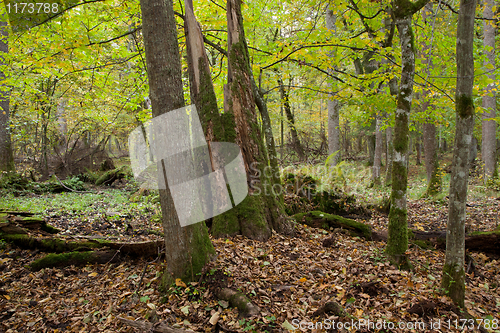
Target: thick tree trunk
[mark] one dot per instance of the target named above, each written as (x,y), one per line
(187,249)
(261,211)
(397,243)
(453,280)
(488,150)
(291,122)
(333,104)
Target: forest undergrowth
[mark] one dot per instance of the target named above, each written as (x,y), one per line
(288,278)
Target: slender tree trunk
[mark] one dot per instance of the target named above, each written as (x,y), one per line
(390,156)
(291,122)
(333,103)
(488,150)
(261,211)
(6,154)
(429,128)
(187,249)
(453,280)
(397,242)
(377,159)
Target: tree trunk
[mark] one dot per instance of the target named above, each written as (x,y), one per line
(390,156)
(397,243)
(291,122)
(488,150)
(377,159)
(187,249)
(261,211)
(6,154)
(333,104)
(453,280)
(429,128)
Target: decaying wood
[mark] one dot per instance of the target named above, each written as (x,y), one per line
(240,301)
(144,326)
(488,243)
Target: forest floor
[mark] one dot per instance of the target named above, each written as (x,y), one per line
(288,278)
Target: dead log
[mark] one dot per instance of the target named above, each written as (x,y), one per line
(485,242)
(75,259)
(317,219)
(144,326)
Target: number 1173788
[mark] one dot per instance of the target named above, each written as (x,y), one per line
(32,8)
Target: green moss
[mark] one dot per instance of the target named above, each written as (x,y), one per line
(59,260)
(465,106)
(48,244)
(453,283)
(318,219)
(202,251)
(397,242)
(479,233)
(422,244)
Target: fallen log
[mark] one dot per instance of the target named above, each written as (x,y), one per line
(317,219)
(75,258)
(485,242)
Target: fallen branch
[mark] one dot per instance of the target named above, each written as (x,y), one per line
(144,326)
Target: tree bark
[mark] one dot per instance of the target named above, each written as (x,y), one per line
(333,103)
(377,158)
(261,211)
(429,128)
(187,249)
(488,150)
(453,280)
(397,243)
(291,122)
(6,154)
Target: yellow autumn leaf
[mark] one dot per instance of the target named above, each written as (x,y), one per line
(303,280)
(359,312)
(180,283)
(93,274)
(7,297)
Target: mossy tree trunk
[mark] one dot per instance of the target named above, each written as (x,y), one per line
(397,242)
(261,211)
(429,128)
(489,143)
(187,249)
(6,155)
(453,280)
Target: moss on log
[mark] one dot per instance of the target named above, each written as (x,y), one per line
(110,176)
(319,219)
(74,258)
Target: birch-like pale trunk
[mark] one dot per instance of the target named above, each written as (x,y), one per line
(377,159)
(397,242)
(453,280)
(489,144)
(333,103)
(187,249)
(6,154)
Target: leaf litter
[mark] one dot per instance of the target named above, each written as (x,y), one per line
(289,279)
